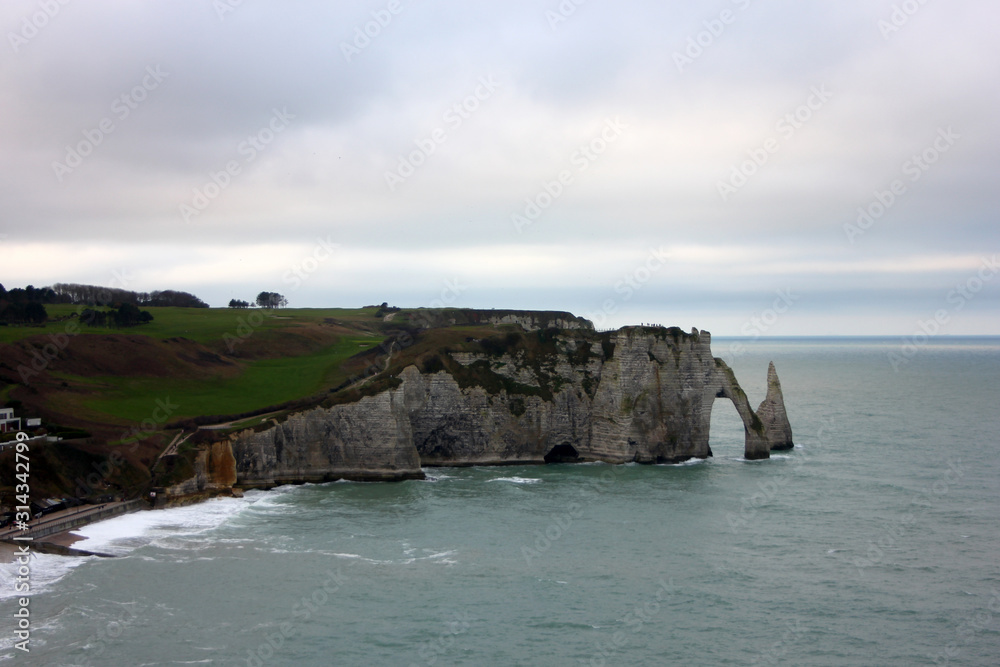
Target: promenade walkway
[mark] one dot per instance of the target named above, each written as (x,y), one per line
(71,518)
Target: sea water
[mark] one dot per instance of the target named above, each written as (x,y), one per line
(876,541)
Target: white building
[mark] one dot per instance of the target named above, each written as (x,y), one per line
(8,422)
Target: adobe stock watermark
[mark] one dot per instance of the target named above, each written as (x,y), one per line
(968,629)
(697,44)
(98,480)
(112,630)
(420,319)
(562,13)
(295,276)
(449,294)
(32,25)
(913,169)
(300,271)
(957,298)
(364,34)
(430,651)
(158,417)
(581,159)
(560,525)
(121,108)
(248,149)
(900,16)
(224,7)
(41,358)
(633,620)
(631,283)
(908,521)
(453,118)
(245,327)
(777,650)
(760,323)
(302,610)
(769,490)
(786,127)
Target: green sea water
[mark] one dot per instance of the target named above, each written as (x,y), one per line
(876,541)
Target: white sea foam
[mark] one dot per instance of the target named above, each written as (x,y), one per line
(689,462)
(41,631)
(443,557)
(435,478)
(46,570)
(516,480)
(121,535)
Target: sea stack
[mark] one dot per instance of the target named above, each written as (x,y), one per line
(772,413)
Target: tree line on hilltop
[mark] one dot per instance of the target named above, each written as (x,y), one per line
(26,305)
(264,300)
(93,295)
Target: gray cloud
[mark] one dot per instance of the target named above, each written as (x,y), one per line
(558,83)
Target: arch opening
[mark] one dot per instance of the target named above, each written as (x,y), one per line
(726,434)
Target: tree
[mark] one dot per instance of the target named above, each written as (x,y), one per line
(127,315)
(174,298)
(238,303)
(93,318)
(35,312)
(92,295)
(271,300)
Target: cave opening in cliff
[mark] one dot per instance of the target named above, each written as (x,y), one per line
(564,453)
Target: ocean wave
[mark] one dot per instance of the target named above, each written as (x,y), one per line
(122,535)
(774,457)
(46,571)
(41,630)
(689,462)
(516,480)
(442,557)
(435,478)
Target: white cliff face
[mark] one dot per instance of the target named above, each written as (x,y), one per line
(643,395)
(367,440)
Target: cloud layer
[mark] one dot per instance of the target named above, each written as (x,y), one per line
(536,154)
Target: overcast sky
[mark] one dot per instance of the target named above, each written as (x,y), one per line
(688,163)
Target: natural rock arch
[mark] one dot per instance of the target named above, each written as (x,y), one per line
(768,427)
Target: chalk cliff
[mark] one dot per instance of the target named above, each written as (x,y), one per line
(640,394)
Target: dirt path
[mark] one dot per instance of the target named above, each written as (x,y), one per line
(172,447)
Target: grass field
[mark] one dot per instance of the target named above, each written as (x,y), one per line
(264,382)
(204,325)
(295,353)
